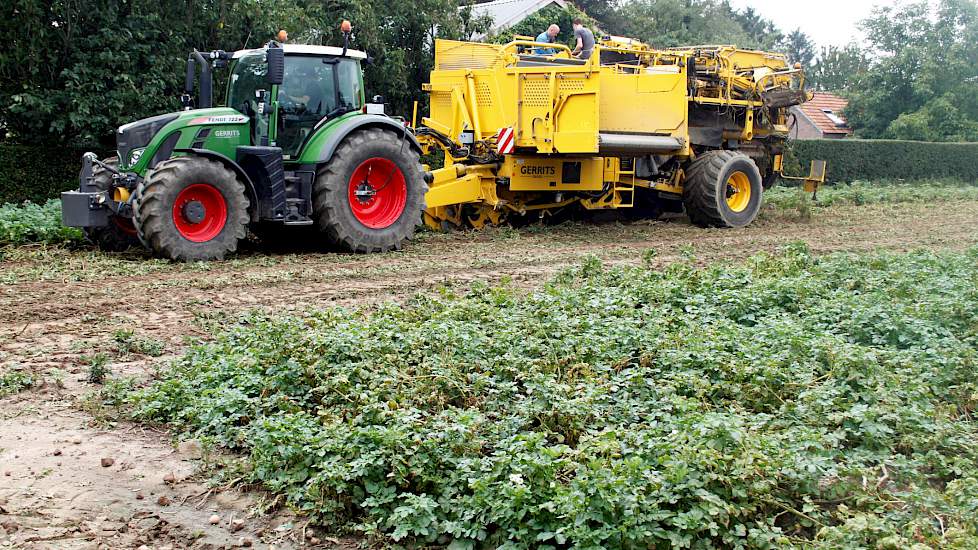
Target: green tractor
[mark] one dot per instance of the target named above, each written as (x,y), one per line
(295,145)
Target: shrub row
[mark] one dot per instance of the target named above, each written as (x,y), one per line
(38,173)
(860,159)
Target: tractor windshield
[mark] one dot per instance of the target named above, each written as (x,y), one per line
(247,77)
(315,88)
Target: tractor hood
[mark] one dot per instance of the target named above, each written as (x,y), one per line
(136,135)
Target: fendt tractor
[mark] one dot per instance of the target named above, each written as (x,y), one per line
(296,144)
(701,129)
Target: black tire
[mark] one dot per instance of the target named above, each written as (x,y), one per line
(708,186)
(178,178)
(120,234)
(332,203)
(771,180)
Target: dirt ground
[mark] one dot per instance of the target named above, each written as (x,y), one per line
(59,309)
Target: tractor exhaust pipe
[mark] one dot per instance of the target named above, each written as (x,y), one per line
(206,82)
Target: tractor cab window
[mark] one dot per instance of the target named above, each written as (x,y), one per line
(247,77)
(315,88)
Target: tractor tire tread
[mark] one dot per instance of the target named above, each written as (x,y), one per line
(702,188)
(331,189)
(153,217)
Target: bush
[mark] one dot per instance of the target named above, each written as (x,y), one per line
(860,193)
(792,401)
(859,159)
(36,174)
(32,223)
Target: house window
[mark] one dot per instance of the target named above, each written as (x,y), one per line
(836,119)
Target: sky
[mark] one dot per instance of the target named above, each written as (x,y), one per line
(827,22)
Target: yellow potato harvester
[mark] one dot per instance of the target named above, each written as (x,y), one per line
(528,132)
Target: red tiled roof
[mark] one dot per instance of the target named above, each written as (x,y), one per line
(815,111)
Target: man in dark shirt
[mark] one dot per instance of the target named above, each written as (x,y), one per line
(585,40)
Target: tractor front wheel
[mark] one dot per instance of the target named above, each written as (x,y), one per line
(370,196)
(191,208)
(120,234)
(722,189)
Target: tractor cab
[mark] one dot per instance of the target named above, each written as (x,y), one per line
(319,84)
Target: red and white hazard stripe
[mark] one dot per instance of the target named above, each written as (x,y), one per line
(505,141)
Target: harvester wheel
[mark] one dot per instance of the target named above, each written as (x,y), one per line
(370,196)
(120,234)
(722,189)
(191,208)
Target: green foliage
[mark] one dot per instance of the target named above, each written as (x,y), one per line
(98,367)
(683,22)
(856,159)
(799,48)
(14,379)
(838,68)
(539,21)
(32,223)
(791,401)
(127,342)
(80,69)
(923,79)
(859,193)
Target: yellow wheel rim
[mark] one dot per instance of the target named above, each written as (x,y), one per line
(738,191)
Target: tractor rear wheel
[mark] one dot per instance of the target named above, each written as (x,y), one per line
(191,208)
(370,196)
(120,234)
(722,189)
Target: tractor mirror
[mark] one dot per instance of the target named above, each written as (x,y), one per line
(275,58)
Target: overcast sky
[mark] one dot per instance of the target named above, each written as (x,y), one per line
(827,22)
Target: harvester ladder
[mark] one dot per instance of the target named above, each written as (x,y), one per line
(625,187)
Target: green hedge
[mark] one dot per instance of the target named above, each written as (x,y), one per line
(35,173)
(861,159)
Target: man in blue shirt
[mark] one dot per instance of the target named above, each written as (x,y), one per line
(548,36)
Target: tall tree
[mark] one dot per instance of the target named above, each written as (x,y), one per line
(799,48)
(838,68)
(923,83)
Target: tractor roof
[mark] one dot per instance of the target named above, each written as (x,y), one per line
(304,49)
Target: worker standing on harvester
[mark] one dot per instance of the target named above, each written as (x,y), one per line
(548,36)
(585,40)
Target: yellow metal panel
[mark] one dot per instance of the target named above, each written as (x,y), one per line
(553,173)
(647,103)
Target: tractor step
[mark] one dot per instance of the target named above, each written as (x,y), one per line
(298,222)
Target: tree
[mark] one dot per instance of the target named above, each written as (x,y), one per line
(799,48)
(763,33)
(79,68)
(836,69)
(923,82)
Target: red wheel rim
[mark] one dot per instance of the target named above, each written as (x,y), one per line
(200,212)
(125,225)
(378,193)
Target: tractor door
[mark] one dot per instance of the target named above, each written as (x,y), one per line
(247,78)
(315,89)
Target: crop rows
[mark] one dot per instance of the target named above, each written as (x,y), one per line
(790,401)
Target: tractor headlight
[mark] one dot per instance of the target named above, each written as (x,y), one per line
(134,156)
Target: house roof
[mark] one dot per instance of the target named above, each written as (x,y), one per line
(824,110)
(506,13)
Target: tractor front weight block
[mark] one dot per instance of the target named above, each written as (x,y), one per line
(84,209)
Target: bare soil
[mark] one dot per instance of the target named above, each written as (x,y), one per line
(59,308)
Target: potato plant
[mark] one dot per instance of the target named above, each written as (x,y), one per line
(789,401)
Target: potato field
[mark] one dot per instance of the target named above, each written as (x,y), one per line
(806,382)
